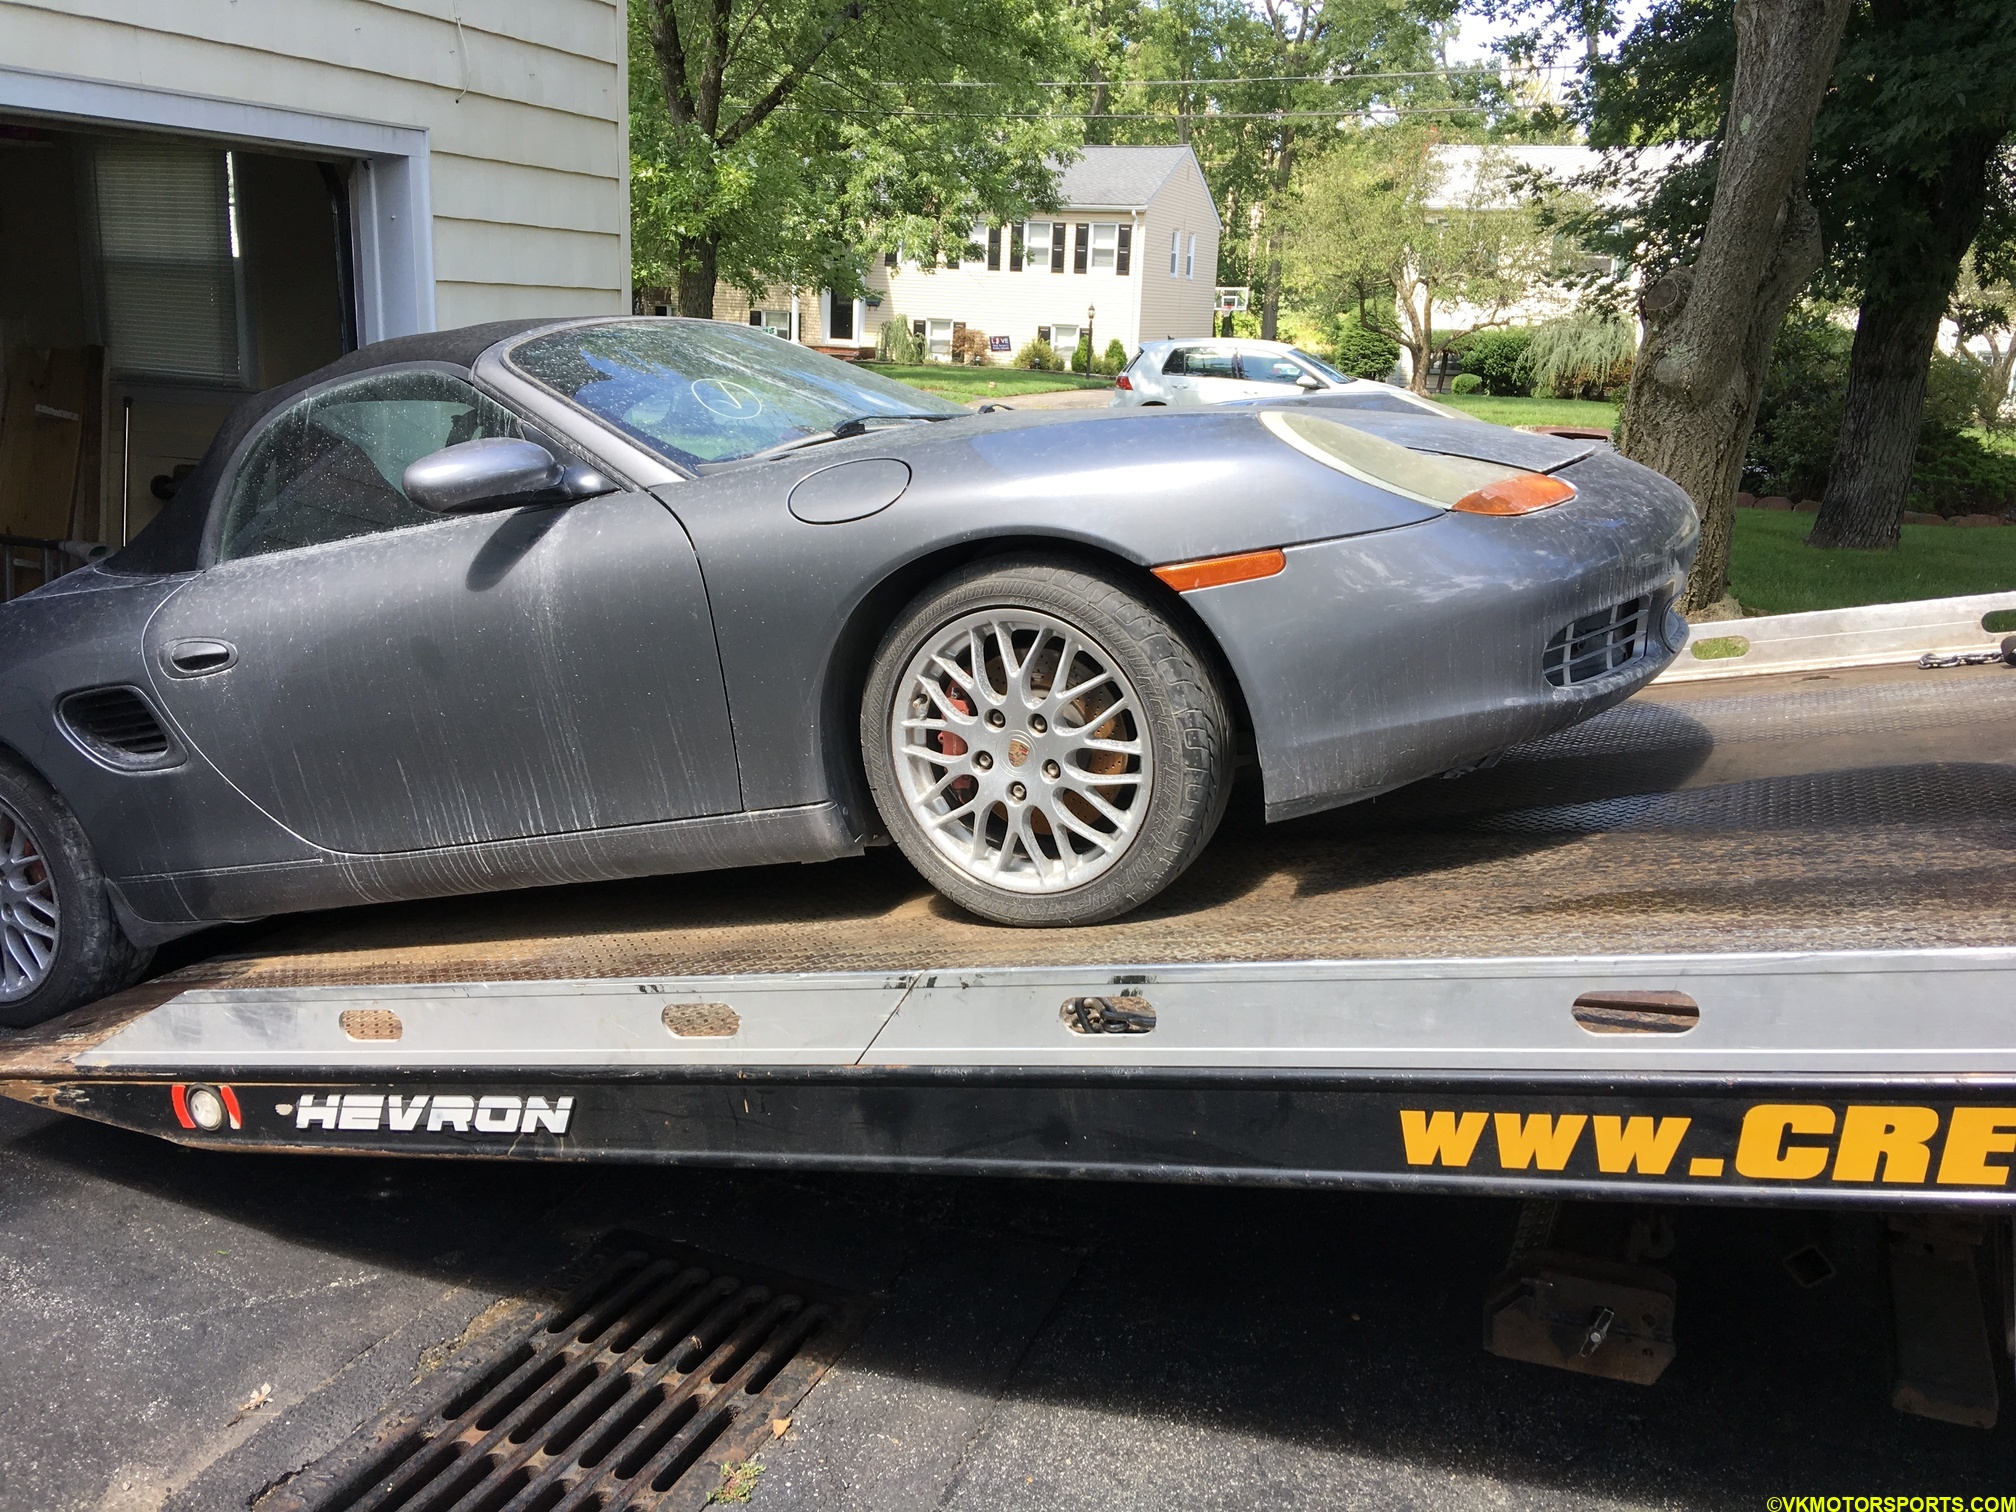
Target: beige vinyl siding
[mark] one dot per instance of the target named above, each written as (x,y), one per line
(523,104)
(1179,306)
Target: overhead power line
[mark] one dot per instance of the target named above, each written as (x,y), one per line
(1145,115)
(1356,78)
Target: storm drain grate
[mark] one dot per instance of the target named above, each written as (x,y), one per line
(629,1396)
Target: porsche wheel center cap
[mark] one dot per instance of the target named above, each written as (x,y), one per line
(1018,750)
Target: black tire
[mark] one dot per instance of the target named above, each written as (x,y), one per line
(92,956)
(1183,726)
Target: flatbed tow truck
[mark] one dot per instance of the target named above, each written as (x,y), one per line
(1750,937)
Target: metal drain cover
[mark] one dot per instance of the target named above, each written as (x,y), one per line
(629,1396)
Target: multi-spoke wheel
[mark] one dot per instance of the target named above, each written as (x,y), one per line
(1043,743)
(60,945)
(28,910)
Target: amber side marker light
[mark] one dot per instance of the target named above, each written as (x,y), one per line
(1215,572)
(1516,495)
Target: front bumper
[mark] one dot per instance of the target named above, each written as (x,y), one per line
(1377,660)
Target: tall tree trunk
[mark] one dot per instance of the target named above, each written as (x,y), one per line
(1871,473)
(1709,327)
(697,259)
(1894,336)
(1270,302)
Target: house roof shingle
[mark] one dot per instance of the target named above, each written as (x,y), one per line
(1117,178)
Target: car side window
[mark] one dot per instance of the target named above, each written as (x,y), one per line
(1173,364)
(1207,364)
(1268,367)
(330,465)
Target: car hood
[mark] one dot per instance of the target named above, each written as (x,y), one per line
(1456,437)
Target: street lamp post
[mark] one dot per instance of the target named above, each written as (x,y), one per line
(1089,348)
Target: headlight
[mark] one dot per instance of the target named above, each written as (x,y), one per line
(1456,483)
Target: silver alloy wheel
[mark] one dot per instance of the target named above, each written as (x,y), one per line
(1020,749)
(27,910)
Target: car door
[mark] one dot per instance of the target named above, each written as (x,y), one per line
(379,679)
(1215,377)
(1178,387)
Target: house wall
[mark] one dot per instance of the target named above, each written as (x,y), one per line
(1179,305)
(523,103)
(1014,305)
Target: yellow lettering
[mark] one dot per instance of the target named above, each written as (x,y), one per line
(1520,1142)
(1761,1150)
(1972,1136)
(1440,1137)
(1899,1137)
(1620,1145)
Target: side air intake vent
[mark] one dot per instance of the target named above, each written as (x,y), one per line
(117,727)
(1596,644)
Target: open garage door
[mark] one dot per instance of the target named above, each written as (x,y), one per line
(146,284)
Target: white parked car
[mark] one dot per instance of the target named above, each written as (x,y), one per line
(1213,370)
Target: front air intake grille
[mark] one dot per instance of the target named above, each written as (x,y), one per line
(118,727)
(1597,643)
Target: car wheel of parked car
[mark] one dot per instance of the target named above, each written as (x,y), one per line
(1044,743)
(60,946)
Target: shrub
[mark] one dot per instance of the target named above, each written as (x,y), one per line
(897,343)
(1581,356)
(1799,423)
(1359,352)
(1466,383)
(970,347)
(1499,359)
(1039,356)
(1081,356)
(1114,358)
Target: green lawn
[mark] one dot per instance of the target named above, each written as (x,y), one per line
(969,385)
(1773,571)
(1511,411)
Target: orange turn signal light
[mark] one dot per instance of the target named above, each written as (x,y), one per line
(1216,572)
(1521,494)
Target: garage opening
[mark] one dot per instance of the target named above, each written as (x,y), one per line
(147,283)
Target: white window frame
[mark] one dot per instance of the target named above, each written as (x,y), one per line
(1175,252)
(1068,350)
(1190,258)
(932,326)
(1106,243)
(1034,259)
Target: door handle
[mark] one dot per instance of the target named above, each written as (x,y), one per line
(199,658)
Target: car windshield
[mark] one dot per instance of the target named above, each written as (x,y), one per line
(704,391)
(1320,366)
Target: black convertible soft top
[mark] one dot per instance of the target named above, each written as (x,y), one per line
(172,539)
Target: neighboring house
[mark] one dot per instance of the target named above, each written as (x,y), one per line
(200,200)
(1133,250)
(1488,178)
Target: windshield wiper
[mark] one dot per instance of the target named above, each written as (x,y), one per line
(855,426)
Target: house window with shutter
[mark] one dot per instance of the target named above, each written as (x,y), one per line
(1081,250)
(1015,248)
(1175,253)
(1123,257)
(1105,244)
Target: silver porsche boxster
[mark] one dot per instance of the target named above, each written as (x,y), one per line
(544,602)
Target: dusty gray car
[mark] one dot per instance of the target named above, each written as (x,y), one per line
(548,602)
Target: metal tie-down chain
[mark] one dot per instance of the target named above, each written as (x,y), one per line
(2005,653)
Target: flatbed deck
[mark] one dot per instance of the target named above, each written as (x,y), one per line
(1817,864)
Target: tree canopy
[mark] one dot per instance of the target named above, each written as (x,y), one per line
(778,141)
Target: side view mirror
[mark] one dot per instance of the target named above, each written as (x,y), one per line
(1308,382)
(498,472)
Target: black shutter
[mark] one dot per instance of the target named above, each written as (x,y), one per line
(917,329)
(1043,334)
(1081,250)
(993,249)
(1015,248)
(756,317)
(889,258)
(1058,231)
(1121,258)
